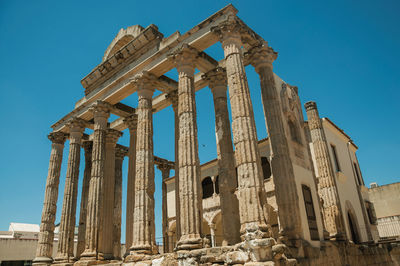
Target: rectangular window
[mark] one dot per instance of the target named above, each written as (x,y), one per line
(312,220)
(357,174)
(335,158)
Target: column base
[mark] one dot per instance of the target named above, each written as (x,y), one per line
(189,244)
(64,260)
(254,230)
(88,255)
(105,256)
(42,261)
(135,257)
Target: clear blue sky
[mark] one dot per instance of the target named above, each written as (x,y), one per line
(342,54)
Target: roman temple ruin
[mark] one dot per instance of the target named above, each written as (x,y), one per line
(278,200)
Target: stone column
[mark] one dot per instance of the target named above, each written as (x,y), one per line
(327,188)
(120,153)
(131,122)
(170,241)
(173,96)
(106,228)
(65,252)
(87,146)
(189,165)
(226,158)
(44,248)
(101,112)
(282,168)
(248,162)
(164,168)
(143,240)
(212,233)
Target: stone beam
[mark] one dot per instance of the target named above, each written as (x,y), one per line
(155,61)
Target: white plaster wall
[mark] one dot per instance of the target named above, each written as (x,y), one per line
(171,200)
(345,179)
(21,249)
(386,200)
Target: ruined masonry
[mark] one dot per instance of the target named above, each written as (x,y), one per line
(260,226)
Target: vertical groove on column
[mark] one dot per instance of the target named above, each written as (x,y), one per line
(143,240)
(65,251)
(95,190)
(44,248)
(94,211)
(190,207)
(165,169)
(84,198)
(281,164)
(116,236)
(174,101)
(131,122)
(226,158)
(327,188)
(250,190)
(106,232)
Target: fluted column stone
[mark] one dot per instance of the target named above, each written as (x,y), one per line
(88,147)
(281,165)
(106,249)
(165,169)
(101,112)
(44,248)
(190,204)
(143,240)
(250,186)
(226,158)
(65,252)
(327,188)
(120,153)
(131,122)
(173,97)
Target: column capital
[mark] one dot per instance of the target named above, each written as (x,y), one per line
(229,31)
(57,137)
(262,55)
(121,152)
(112,136)
(217,81)
(165,166)
(100,109)
(76,125)
(310,106)
(185,58)
(145,84)
(131,121)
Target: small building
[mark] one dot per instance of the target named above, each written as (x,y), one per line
(18,244)
(386,201)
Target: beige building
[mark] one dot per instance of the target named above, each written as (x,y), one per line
(386,200)
(18,244)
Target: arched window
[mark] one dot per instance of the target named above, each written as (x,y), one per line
(207,186)
(312,219)
(217,184)
(294,132)
(265,167)
(353,228)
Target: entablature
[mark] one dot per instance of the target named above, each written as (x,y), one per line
(111,80)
